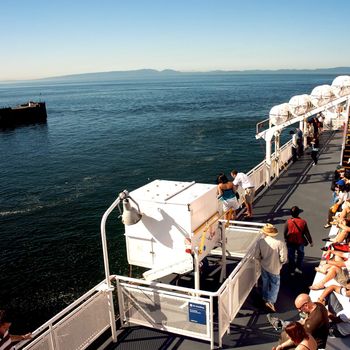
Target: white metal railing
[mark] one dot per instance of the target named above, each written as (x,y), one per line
(168,307)
(75,327)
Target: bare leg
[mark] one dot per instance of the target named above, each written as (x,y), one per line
(331,273)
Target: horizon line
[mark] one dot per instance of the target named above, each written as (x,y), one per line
(170,70)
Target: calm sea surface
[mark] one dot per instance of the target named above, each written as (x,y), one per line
(57,179)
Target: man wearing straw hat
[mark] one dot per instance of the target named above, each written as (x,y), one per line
(272,254)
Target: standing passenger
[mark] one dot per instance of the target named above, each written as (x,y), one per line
(300,142)
(272,254)
(314,150)
(226,194)
(294,145)
(295,230)
(241,179)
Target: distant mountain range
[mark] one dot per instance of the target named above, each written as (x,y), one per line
(152,73)
(145,73)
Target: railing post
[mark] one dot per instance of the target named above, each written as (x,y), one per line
(52,339)
(212,346)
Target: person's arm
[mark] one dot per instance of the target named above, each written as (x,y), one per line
(314,322)
(343,226)
(308,235)
(219,191)
(15,338)
(288,343)
(327,291)
(285,233)
(283,252)
(337,253)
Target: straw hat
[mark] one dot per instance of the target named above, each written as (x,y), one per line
(269,230)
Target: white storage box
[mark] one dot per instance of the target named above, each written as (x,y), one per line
(171,213)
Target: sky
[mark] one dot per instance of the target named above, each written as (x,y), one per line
(47,38)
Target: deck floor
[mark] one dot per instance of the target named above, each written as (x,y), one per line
(301,184)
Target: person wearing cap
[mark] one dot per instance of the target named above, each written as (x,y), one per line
(272,254)
(296,236)
(342,196)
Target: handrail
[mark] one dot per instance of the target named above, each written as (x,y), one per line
(63,313)
(154,284)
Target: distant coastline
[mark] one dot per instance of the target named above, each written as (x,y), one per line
(151,73)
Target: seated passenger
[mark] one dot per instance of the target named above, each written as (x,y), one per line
(338,269)
(303,340)
(338,315)
(315,323)
(342,221)
(341,197)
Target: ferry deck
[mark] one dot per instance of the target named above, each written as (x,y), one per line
(301,184)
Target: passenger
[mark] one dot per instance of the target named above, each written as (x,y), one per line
(315,322)
(296,235)
(227,194)
(314,122)
(337,268)
(320,122)
(300,142)
(338,315)
(338,175)
(297,334)
(294,146)
(6,339)
(272,254)
(341,196)
(241,179)
(309,132)
(314,150)
(342,222)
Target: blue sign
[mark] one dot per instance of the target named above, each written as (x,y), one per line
(197,313)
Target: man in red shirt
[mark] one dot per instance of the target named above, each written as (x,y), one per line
(296,235)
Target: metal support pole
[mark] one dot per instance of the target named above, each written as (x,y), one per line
(277,153)
(268,162)
(212,346)
(196,271)
(223,252)
(106,267)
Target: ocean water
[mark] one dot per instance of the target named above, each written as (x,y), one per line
(102,137)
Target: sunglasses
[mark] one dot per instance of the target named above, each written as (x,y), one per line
(302,306)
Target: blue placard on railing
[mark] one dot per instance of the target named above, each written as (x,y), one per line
(197,313)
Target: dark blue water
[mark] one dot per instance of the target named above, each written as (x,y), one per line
(57,179)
